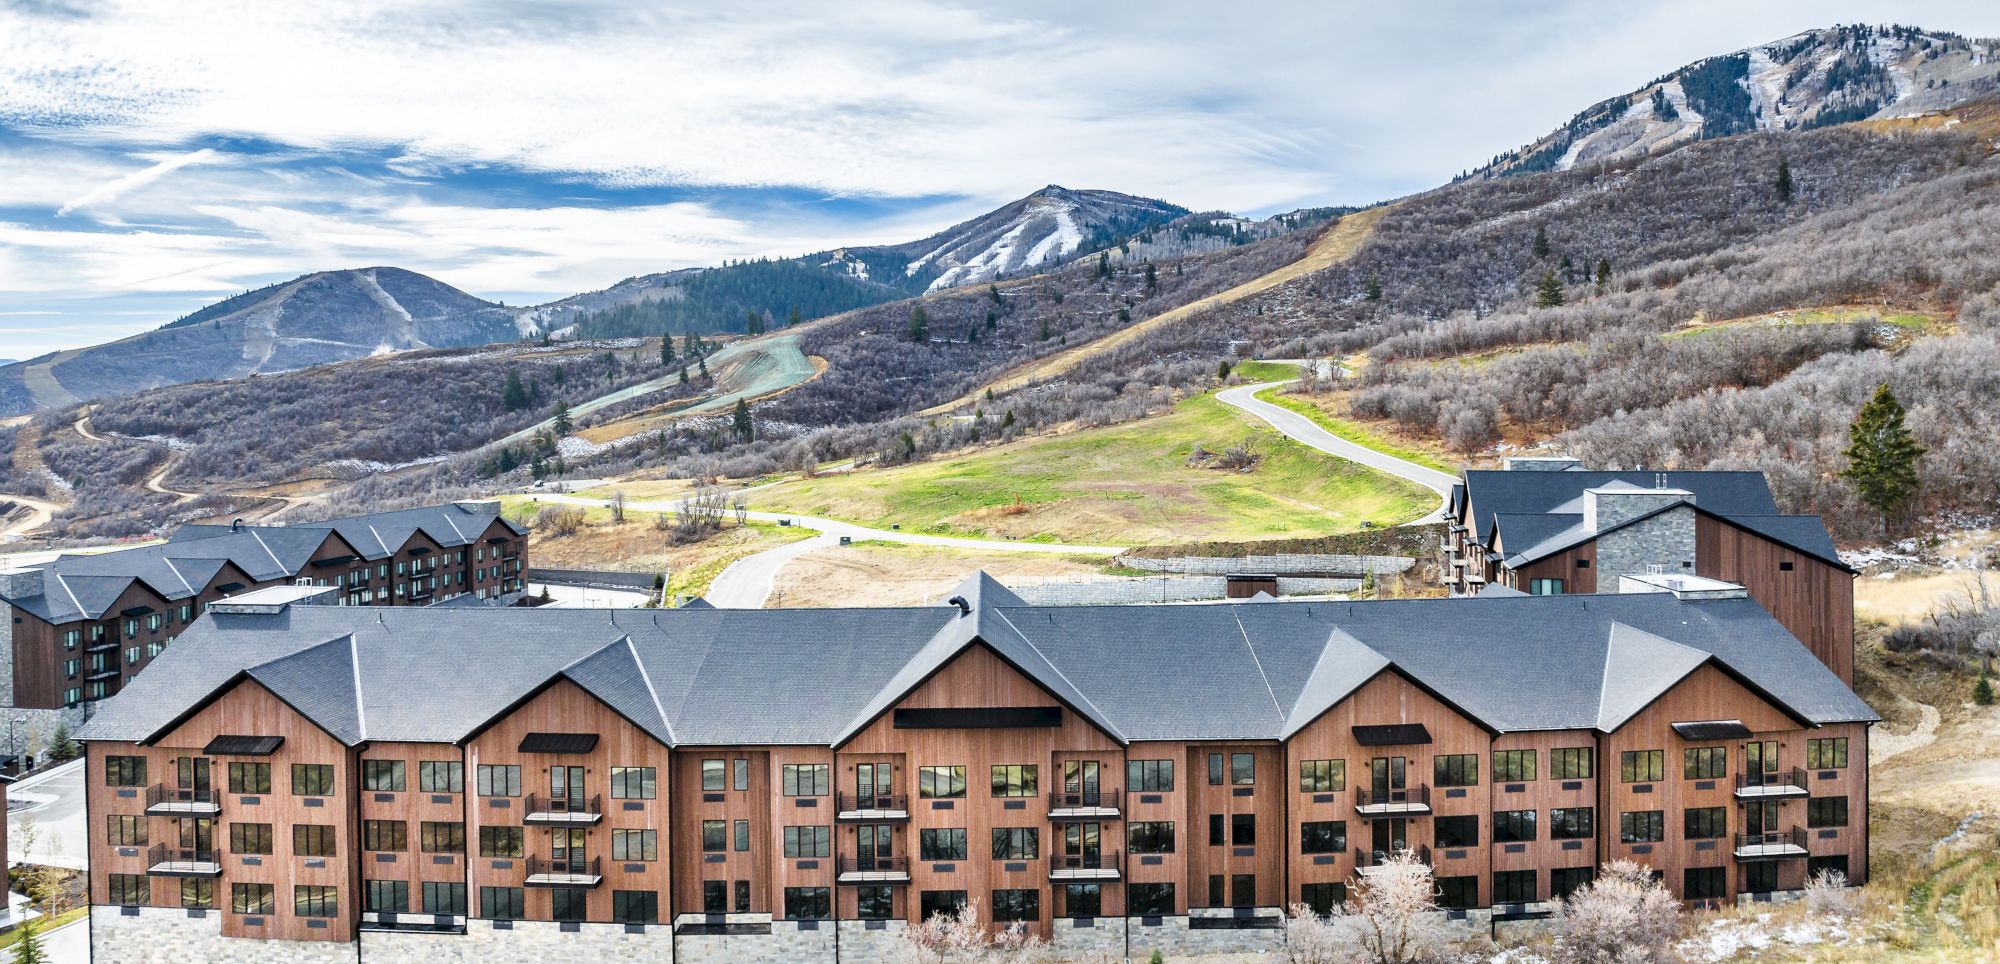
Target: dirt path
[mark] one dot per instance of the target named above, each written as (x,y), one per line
(1338,244)
(38,515)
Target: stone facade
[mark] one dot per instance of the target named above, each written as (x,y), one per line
(1665,540)
(521,942)
(1081,937)
(1174,936)
(170,935)
(872,942)
(787,941)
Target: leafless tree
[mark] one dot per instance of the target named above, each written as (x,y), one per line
(1622,917)
(558,521)
(617,505)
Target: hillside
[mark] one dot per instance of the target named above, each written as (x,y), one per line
(1814,79)
(324,317)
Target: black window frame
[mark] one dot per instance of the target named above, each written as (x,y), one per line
(1515,826)
(1323,837)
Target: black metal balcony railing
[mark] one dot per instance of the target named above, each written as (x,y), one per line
(1777,843)
(1415,798)
(1760,779)
(590,806)
(855,802)
(874,865)
(1102,860)
(1103,798)
(160,854)
(544,867)
(1365,857)
(159,794)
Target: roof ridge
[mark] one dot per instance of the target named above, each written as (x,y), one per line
(1258,661)
(646,677)
(1085,697)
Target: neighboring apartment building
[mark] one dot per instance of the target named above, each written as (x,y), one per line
(1545,526)
(79,628)
(800,785)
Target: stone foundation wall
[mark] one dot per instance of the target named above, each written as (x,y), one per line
(788,941)
(1078,937)
(1173,936)
(863,944)
(168,935)
(521,942)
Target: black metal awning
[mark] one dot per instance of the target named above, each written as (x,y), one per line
(242,745)
(1712,730)
(333,561)
(229,587)
(558,743)
(1393,734)
(419,551)
(135,611)
(496,540)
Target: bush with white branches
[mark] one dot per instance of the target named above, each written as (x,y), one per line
(1622,917)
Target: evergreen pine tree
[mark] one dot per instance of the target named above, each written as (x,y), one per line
(1603,272)
(793,318)
(1882,455)
(666,350)
(1152,277)
(513,394)
(563,423)
(1043,333)
(1222,370)
(1104,264)
(993,292)
(690,346)
(920,324)
(28,949)
(739,421)
(1374,288)
(1548,291)
(1008,422)
(684,374)
(704,368)
(992,319)
(1982,691)
(1541,241)
(1784,182)
(753,323)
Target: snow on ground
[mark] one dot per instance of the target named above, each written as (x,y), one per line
(371,466)
(1063,240)
(987,263)
(1725,939)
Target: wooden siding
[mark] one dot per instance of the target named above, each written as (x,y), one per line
(1814,600)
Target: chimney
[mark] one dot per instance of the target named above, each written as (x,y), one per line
(1609,505)
(20,584)
(1540,463)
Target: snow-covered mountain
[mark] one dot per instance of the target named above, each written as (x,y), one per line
(1036,231)
(1814,79)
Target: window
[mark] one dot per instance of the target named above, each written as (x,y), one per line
(1642,826)
(441,837)
(1826,812)
(947,843)
(1215,769)
(250,838)
(1572,823)
(197,894)
(1017,905)
(635,907)
(1514,887)
(1018,843)
(1242,890)
(714,774)
(132,654)
(383,775)
(503,903)
(801,842)
(1827,754)
(940,783)
(739,774)
(1322,776)
(1242,829)
(1458,893)
(441,776)
(1456,770)
(1218,891)
(71,667)
(1572,763)
(1704,883)
(808,903)
(385,896)
(645,844)
(391,835)
(1707,762)
(1215,835)
(505,841)
(1083,900)
(634,783)
(131,628)
(498,781)
(1323,837)
(931,903)
(714,836)
(312,779)
(715,897)
(72,696)
(742,835)
(249,778)
(1242,769)
(441,897)
(804,780)
(1513,826)
(125,831)
(742,889)
(1014,780)
(1705,823)
(874,902)
(1760,877)
(131,890)
(1149,900)
(1150,837)
(1545,587)
(1456,831)
(1513,766)
(1323,898)
(315,901)
(312,840)
(1816,866)
(252,899)
(71,638)
(1149,776)
(1564,881)
(124,771)
(1642,766)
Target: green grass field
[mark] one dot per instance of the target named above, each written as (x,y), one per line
(1914,323)
(1352,432)
(1122,485)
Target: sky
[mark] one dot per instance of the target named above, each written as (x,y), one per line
(156,157)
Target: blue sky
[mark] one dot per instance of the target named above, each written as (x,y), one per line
(156,157)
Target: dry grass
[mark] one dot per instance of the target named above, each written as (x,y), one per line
(894,574)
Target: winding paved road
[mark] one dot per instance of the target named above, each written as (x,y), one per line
(1302,429)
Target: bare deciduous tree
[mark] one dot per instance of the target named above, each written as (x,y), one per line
(1622,917)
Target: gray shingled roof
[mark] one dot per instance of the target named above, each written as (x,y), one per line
(814,677)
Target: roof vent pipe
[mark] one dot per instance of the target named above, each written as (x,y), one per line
(964,608)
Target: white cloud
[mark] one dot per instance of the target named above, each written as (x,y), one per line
(117,188)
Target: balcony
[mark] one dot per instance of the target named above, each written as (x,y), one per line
(165,861)
(547,811)
(1782,845)
(1765,786)
(874,870)
(1394,802)
(1370,861)
(565,873)
(874,808)
(165,801)
(1086,805)
(1083,868)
